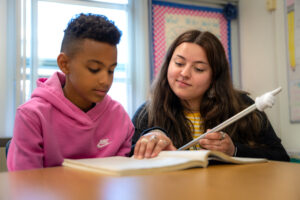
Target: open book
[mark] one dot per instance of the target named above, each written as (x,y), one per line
(165,161)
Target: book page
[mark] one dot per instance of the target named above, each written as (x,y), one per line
(125,165)
(210,155)
(165,161)
(194,155)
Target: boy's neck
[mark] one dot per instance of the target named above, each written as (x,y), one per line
(68,94)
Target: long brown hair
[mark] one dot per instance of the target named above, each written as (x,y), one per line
(165,109)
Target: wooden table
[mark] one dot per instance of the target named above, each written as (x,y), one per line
(272,180)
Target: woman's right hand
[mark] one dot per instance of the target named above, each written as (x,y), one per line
(150,144)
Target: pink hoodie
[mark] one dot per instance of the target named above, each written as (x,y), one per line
(49,128)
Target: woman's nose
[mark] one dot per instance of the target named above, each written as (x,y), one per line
(186,71)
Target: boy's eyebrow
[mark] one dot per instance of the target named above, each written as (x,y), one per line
(101,63)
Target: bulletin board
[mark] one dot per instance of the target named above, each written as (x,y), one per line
(293,25)
(171,19)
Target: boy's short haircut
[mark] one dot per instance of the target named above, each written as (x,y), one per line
(89,26)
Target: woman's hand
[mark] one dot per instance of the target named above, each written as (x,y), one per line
(150,144)
(219,141)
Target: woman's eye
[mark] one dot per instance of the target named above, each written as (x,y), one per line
(179,64)
(94,70)
(199,69)
(110,71)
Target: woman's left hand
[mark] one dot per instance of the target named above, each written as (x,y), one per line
(219,141)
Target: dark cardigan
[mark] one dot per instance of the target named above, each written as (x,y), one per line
(272,148)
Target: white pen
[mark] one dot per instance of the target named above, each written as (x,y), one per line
(261,103)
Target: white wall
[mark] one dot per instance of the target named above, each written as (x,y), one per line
(3,87)
(264,62)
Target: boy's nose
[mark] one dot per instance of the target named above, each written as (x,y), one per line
(105,79)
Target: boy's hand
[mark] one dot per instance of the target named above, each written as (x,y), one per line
(150,144)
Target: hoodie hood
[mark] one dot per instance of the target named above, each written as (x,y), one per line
(50,89)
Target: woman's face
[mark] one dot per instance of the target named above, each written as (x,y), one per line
(189,74)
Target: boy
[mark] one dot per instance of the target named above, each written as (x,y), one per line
(70,114)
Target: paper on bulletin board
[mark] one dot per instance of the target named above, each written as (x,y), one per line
(291,32)
(293,18)
(176,24)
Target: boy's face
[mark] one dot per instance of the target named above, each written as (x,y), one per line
(89,73)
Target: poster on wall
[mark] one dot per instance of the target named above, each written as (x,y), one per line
(171,19)
(293,24)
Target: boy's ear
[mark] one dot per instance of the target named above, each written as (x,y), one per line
(62,61)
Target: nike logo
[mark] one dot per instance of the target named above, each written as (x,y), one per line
(102,143)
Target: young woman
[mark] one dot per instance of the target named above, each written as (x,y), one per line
(194,92)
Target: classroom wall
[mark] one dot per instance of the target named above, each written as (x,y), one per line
(264,62)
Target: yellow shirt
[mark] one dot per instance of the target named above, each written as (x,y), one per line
(198,125)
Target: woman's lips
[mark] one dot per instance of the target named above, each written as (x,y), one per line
(182,83)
